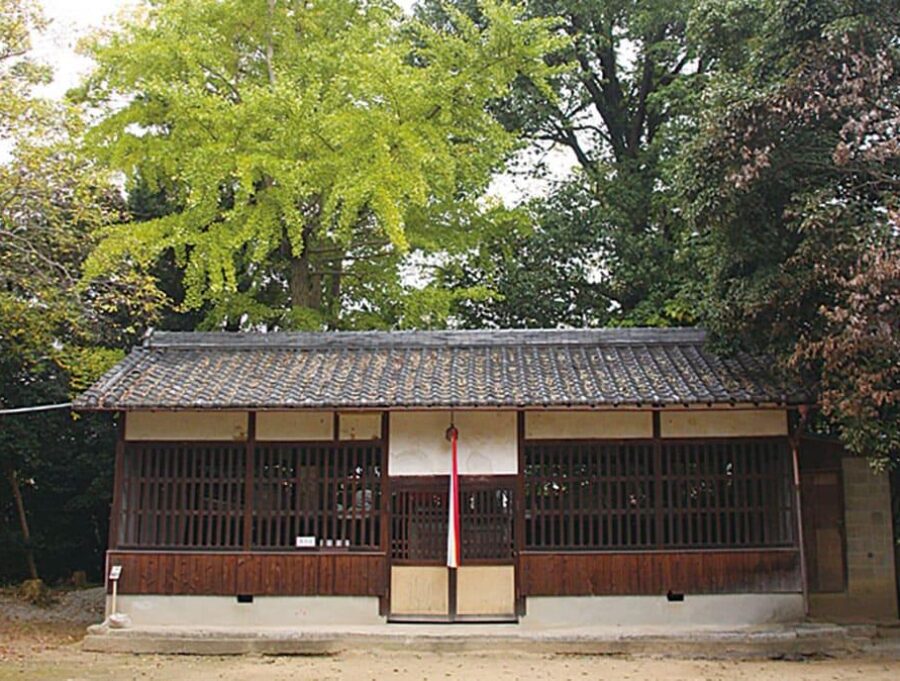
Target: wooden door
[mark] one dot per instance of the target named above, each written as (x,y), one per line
(822,499)
(482,588)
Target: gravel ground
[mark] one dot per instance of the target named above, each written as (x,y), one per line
(77,608)
(27,630)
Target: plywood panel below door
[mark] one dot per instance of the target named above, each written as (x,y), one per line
(420,590)
(486,590)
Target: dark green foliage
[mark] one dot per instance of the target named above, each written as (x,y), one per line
(65,474)
(793,186)
(622,110)
(541,279)
(559,273)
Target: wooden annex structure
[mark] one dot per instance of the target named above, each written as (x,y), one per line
(296,478)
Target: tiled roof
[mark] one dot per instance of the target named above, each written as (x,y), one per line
(598,367)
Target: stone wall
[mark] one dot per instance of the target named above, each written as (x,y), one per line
(871,579)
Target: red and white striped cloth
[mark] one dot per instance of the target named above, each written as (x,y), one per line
(453,520)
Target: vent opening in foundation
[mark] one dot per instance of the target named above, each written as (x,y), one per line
(674,597)
(245,598)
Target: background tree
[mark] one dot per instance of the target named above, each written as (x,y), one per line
(792,186)
(622,112)
(53,338)
(308,149)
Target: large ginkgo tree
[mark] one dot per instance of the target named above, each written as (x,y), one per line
(308,148)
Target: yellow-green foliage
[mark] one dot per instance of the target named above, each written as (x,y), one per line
(53,337)
(271,117)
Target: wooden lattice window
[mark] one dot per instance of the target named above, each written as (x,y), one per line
(192,495)
(419,517)
(182,496)
(486,518)
(589,495)
(727,493)
(326,492)
(419,520)
(605,495)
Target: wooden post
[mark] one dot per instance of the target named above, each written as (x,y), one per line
(452,590)
(115,516)
(519,508)
(657,479)
(385,602)
(248,480)
(798,508)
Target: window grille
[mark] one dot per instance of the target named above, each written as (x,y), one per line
(640,495)
(182,495)
(330,493)
(419,517)
(192,495)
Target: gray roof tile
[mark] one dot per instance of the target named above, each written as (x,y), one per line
(597,367)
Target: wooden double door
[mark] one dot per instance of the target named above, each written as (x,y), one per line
(483,587)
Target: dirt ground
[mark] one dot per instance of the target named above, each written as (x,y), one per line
(68,663)
(42,644)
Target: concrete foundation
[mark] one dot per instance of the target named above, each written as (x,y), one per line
(543,613)
(774,641)
(264,611)
(714,611)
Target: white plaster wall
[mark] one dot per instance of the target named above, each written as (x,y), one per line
(362,425)
(547,612)
(487,443)
(552,425)
(186,425)
(293,426)
(738,423)
(265,611)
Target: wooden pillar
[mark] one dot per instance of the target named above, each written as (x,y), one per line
(794,440)
(519,519)
(115,515)
(248,480)
(384,602)
(658,517)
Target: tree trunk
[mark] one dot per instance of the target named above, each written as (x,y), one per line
(305,286)
(23,519)
(335,292)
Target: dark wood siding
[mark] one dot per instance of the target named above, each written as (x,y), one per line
(260,574)
(649,573)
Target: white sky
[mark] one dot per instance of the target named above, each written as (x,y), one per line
(73,19)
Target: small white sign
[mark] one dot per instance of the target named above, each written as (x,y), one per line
(115,572)
(305,542)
